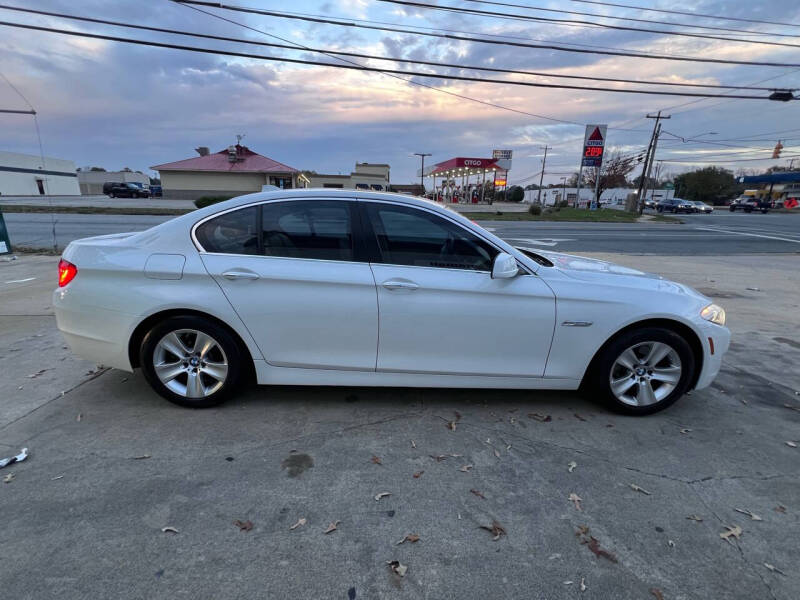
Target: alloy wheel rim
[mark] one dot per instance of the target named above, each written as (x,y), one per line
(645,374)
(190,363)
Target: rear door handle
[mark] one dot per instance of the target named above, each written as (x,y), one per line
(239,275)
(394,284)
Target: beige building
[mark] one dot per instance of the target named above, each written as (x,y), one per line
(91,182)
(28,175)
(366,176)
(234,171)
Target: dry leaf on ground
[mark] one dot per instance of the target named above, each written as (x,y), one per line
(540,418)
(478,494)
(636,488)
(781,509)
(495,529)
(9,478)
(457,415)
(382,495)
(438,458)
(697,518)
(169,530)
(243,525)
(79,417)
(35,375)
(670,543)
(397,568)
(572,466)
(496,453)
(752,516)
(657,593)
(142,457)
(411,537)
(332,527)
(734,531)
(583,584)
(465,468)
(580,418)
(593,545)
(377,460)
(791,444)
(774,569)
(576,500)
(413,444)
(300,523)
(418,474)
(451,425)
(685,430)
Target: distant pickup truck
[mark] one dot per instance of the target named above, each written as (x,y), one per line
(748,204)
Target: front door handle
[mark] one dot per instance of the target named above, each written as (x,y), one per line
(395,284)
(232,275)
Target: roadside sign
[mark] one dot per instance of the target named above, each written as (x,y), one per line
(594,143)
(502,154)
(5,243)
(669,186)
(499,179)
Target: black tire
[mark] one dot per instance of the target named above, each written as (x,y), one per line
(732,208)
(112,195)
(598,379)
(231,353)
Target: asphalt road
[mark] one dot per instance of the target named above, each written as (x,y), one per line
(721,233)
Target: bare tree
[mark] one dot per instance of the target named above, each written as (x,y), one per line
(615,172)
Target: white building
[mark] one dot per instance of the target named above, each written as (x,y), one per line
(366,176)
(26,175)
(611,198)
(91,182)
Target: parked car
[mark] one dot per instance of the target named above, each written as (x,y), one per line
(339,287)
(748,204)
(128,190)
(650,203)
(156,190)
(702,207)
(108,185)
(675,205)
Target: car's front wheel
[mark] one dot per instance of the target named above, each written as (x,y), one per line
(644,370)
(191,361)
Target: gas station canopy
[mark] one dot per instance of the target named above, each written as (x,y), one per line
(463,164)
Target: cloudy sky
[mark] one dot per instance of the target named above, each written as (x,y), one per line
(117,105)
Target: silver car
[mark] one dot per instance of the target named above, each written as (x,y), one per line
(702,207)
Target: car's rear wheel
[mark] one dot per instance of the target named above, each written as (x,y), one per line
(191,361)
(644,370)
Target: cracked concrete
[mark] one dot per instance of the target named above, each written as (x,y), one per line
(83,516)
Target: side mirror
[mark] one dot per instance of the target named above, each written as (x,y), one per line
(504,266)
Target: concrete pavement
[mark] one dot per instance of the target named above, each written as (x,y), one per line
(83,516)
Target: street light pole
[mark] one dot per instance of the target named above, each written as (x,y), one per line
(422,155)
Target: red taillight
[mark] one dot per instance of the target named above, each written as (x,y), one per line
(66,272)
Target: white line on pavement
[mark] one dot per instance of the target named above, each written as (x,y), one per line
(758,235)
(20,280)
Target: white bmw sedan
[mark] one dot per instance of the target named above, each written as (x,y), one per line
(342,287)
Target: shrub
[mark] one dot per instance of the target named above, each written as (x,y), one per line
(204,201)
(535,209)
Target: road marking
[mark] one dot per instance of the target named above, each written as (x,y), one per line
(20,280)
(543,241)
(758,235)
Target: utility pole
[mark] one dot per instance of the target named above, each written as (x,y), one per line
(422,155)
(650,167)
(648,158)
(541,178)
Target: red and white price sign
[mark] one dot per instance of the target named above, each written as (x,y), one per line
(594,144)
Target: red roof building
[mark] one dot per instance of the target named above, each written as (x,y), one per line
(234,171)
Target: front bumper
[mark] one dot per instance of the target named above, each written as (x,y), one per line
(720,338)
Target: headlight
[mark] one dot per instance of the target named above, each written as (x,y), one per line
(714,313)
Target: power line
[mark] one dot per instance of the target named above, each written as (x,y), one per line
(334,53)
(673,23)
(556,47)
(358,67)
(580,23)
(735,160)
(687,13)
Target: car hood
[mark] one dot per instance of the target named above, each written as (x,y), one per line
(608,273)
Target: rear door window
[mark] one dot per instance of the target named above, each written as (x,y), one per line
(314,229)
